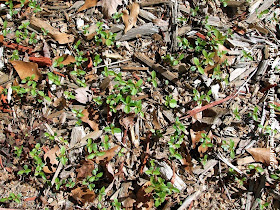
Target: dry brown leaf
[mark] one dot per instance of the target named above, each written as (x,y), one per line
(51,161)
(61,38)
(144,200)
(88,4)
(90,117)
(262,155)
(86,169)
(109,154)
(155,121)
(67,59)
(130,20)
(83,195)
(186,161)
(109,7)
(59,103)
(195,137)
(26,69)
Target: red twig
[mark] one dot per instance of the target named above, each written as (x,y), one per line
(42,61)
(197,110)
(124,136)
(137,77)
(18,47)
(268,87)
(55,72)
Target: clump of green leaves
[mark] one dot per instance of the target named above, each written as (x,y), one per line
(78,114)
(158,187)
(117,205)
(236,113)
(89,181)
(224,2)
(35,154)
(101,194)
(69,95)
(92,149)
(153,79)
(109,37)
(170,102)
(15,55)
(112,129)
(183,42)
(176,139)
(204,159)
(34,5)
(173,60)
(229,147)
(198,66)
(255,168)
(246,56)
(12,197)
(62,156)
(206,141)
(32,88)
(54,78)
(25,170)
(18,151)
(58,62)
(200,98)
(97,60)
(117,16)
(123,92)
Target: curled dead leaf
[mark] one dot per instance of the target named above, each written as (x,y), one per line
(90,117)
(263,155)
(26,69)
(83,95)
(86,169)
(109,7)
(128,121)
(144,200)
(51,161)
(109,154)
(88,4)
(83,195)
(130,20)
(63,38)
(67,59)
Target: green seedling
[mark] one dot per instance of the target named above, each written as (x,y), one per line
(5,31)
(200,98)
(240,181)
(263,205)
(264,12)
(62,157)
(94,178)
(255,113)
(177,139)
(51,137)
(117,205)
(194,11)
(97,60)
(35,154)
(183,42)
(18,151)
(224,2)
(197,66)
(25,170)
(58,62)
(112,129)
(122,152)
(173,60)
(106,143)
(69,95)
(34,5)
(170,102)
(85,29)
(158,188)
(208,58)
(45,32)
(206,141)
(117,16)
(11,8)
(257,168)
(200,44)
(15,55)
(54,78)
(70,183)
(12,197)
(236,113)
(204,160)
(109,37)
(79,115)
(267,130)
(229,147)
(153,79)
(101,194)
(246,56)
(58,183)
(92,149)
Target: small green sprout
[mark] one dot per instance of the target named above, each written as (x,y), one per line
(236,113)
(93,150)
(12,197)
(25,170)
(79,115)
(229,147)
(206,141)
(94,178)
(170,102)
(18,151)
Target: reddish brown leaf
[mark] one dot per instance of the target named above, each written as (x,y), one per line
(90,117)
(130,20)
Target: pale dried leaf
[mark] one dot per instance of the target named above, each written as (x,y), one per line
(130,20)
(83,95)
(263,155)
(83,195)
(109,7)
(51,161)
